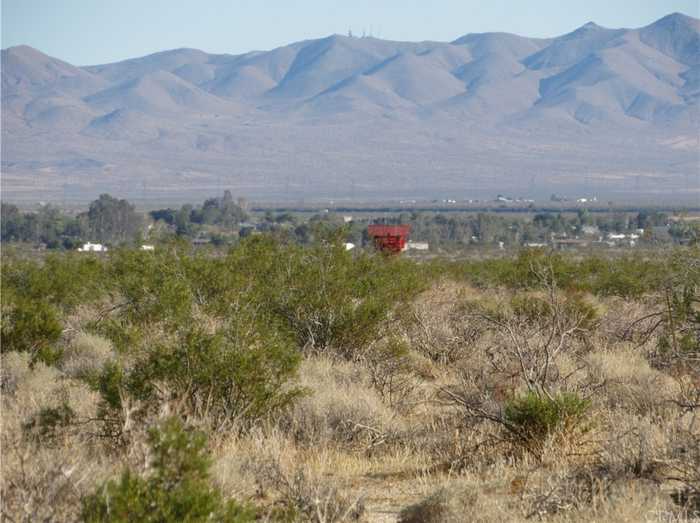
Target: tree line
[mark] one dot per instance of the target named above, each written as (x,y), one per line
(224,220)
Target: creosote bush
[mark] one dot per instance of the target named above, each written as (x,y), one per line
(177,488)
(33,327)
(325,296)
(218,377)
(534,417)
(626,276)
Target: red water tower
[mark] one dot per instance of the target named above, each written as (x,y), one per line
(389,238)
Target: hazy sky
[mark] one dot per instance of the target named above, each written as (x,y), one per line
(98,31)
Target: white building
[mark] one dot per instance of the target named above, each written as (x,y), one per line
(148,248)
(349,246)
(92,247)
(418,246)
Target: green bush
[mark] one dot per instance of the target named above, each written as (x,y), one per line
(225,376)
(35,295)
(325,296)
(628,277)
(218,353)
(532,418)
(179,487)
(31,326)
(152,287)
(680,306)
(574,308)
(63,280)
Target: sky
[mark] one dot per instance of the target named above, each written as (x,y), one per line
(87,32)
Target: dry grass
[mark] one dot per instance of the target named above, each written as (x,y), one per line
(85,353)
(349,450)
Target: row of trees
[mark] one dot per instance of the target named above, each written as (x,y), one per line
(112,220)
(108,220)
(223,212)
(223,220)
(454,230)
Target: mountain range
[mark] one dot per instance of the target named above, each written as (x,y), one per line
(607,112)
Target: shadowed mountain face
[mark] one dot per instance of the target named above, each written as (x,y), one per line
(598,111)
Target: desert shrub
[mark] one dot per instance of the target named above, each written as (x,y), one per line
(341,408)
(178,487)
(41,483)
(85,355)
(391,371)
(152,287)
(14,369)
(34,296)
(221,377)
(634,447)
(433,509)
(31,326)
(304,496)
(683,469)
(574,307)
(526,336)
(456,502)
(306,499)
(191,333)
(439,323)
(30,384)
(46,425)
(532,418)
(529,269)
(326,296)
(627,378)
(63,280)
(681,307)
(626,276)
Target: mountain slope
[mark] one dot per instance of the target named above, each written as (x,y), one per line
(470,115)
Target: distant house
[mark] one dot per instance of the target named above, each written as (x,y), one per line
(349,246)
(615,236)
(148,248)
(418,246)
(590,230)
(92,247)
(347,219)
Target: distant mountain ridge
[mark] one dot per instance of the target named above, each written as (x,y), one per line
(613,111)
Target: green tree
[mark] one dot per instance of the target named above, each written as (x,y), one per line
(11,222)
(113,220)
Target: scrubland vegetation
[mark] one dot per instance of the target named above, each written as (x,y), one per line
(280,382)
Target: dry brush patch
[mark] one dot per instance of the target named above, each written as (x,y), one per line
(492,404)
